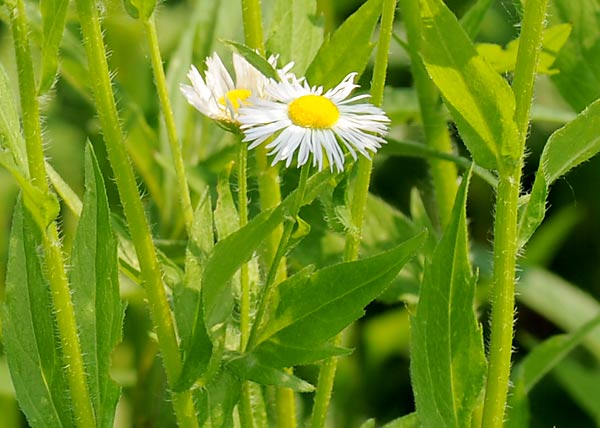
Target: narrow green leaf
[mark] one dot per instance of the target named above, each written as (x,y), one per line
(313,307)
(471,21)
(10,127)
(195,340)
(560,302)
(275,353)
(348,50)
(248,367)
(28,327)
(95,282)
(296,32)
(582,383)
(569,146)
(536,365)
(480,101)
(254,58)
(447,356)
(66,193)
(54,14)
(579,61)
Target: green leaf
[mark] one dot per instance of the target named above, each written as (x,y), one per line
(569,146)
(409,421)
(582,383)
(54,14)
(139,8)
(537,364)
(348,50)
(28,326)
(195,341)
(248,367)
(95,285)
(10,134)
(480,101)
(313,307)
(504,60)
(579,61)
(296,33)
(560,302)
(447,357)
(471,21)
(260,63)
(216,401)
(229,254)
(226,217)
(276,353)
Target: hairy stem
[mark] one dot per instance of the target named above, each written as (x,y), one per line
(134,210)
(505,229)
(357,208)
(165,103)
(57,277)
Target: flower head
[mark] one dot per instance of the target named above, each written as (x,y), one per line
(303,119)
(217,95)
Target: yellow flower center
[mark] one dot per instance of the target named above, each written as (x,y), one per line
(313,111)
(236,97)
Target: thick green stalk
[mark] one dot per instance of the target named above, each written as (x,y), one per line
(357,207)
(163,95)
(270,196)
(505,229)
(133,207)
(437,137)
(57,277)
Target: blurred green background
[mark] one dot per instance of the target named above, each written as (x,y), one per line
(374,381)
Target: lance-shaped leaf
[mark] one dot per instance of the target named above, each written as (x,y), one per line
(248,367)
(28,327)
(348,50)
(447,357)
(569,146)
(479,100)
(314,307)
(215,402)
(95,282)
(54,14)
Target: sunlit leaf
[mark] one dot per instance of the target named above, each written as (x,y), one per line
(349,48)
(95,283)
(479,100)
(447,357)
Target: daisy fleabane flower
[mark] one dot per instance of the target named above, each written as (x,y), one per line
(305,120)
(217,96)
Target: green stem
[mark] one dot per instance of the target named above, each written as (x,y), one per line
(443,173)
(243,213)
(59,284)
(357,207)
(133,208)
(505,229)
(246,418)
(253,30)
(270,196)
(163,95)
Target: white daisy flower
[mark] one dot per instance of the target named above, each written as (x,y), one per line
(217,96)
(308,121)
